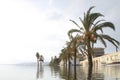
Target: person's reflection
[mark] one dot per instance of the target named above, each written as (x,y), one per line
(40,71)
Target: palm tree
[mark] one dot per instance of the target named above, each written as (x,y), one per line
(41,59)
(63,56)
(70,54)
(37,56)
(90,33)
(66,55)
(73,46)
(75,51)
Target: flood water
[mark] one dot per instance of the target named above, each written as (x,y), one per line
(15,72)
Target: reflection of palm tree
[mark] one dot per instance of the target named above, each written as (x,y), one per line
(39,73)
(90,34)
(63,72)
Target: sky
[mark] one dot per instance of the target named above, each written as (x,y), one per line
(30,26)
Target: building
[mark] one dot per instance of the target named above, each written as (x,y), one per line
(98,52)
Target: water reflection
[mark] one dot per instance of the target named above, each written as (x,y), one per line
(55,70)
(110,72)
(63,72)
(40,71)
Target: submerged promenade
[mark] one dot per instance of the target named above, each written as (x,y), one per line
(111,58)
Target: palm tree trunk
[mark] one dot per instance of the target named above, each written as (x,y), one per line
(68,66)
(90,63)
(75,64)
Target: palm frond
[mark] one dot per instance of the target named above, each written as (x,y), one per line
(93,17)
(106,25)
(98,22)
(102,40)
(95,27)
(86,19)
(111,40)
(81,20)
(88,12)
(75,23)
(72,31)
(83,52)
(83,23)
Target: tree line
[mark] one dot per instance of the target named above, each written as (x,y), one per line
(83,37)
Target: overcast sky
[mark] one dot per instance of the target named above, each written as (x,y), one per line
(30,26)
